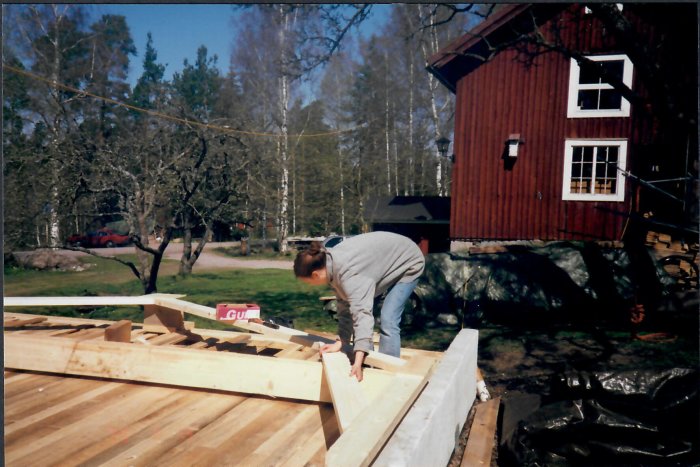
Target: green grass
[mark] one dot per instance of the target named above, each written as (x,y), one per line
(277,292)
(256,253)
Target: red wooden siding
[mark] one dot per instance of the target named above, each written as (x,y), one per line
(502,97)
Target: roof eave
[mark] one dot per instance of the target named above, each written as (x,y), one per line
(455,49)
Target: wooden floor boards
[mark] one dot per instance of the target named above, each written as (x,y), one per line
(73,420)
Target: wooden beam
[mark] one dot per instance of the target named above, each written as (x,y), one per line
(86,301)
(168,339)
(173,302)
(119,331)
(482,435)
(361,442)
(76,301)
(375,359)
(250,374)
(348,398)
(17,323)
(62,320)
(158,315)
(188,325)
(430,431)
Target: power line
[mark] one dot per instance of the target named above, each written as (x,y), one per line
(154,113)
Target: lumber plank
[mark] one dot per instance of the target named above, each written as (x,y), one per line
(289,352)
(77,301)
(361,442)
(187,325)
(63,332)
(119,331)
(348,398)
(56,408)
(260,429)
(429,432)
(16,323)
(175,303)
(238,339)
(89,428)
(322,437)
(482,435)
(62,320)
(296,379)
(45,391)
(163,436)
(158,315)
(374,359)
(168,339)
(224,432)
(273,449)
(201,344)
(83,334)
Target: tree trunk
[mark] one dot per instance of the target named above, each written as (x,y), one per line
(342,190)
(432,87)
(283,225)
(55,79)
(410,185)
(185,265)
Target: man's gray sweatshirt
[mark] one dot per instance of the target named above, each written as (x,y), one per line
(362,268)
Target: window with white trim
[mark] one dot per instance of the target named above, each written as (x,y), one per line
(593,170)
(590,96)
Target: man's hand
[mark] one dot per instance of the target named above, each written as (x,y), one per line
(356,369)
(334,347)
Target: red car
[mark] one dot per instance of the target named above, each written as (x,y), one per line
(102,238)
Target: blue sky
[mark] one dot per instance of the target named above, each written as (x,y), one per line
(179,29)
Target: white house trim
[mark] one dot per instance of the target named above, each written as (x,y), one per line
(573,110)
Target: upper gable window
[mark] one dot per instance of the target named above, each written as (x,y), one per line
(591,97)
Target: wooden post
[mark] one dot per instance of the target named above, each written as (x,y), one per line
(119,331)
(482,435)
(159,315)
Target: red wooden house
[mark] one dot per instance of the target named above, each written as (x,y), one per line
(545,146)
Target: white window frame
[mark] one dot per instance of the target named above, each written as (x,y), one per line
(619,195)
(573,111)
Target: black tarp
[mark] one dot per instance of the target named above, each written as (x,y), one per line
(645,417)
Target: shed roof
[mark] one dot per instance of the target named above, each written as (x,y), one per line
(408,210)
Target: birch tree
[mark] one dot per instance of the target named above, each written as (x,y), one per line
(335,89)
(52,40)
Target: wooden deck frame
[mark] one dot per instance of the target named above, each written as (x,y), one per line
(366,421)
(164,309)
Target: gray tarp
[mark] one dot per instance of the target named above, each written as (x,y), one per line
(561,277)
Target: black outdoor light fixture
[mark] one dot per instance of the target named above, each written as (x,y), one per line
(443,144)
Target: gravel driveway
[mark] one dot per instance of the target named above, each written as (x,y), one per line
(209,259)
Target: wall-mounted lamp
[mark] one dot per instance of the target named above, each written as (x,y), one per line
(513,142)
(443,145)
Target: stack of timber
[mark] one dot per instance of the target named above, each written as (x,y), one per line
(665,244)
(162,392)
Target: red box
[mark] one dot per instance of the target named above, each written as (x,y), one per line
(236,311)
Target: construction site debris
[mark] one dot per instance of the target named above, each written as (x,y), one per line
(605,418)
